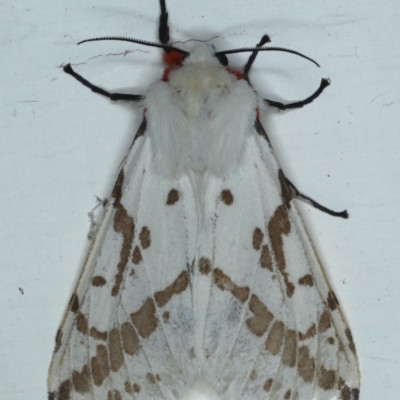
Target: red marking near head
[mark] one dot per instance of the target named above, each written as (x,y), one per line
(165,76)
(238,74)
(257,114)
(172,58)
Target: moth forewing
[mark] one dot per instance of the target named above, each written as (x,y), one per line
(201,269)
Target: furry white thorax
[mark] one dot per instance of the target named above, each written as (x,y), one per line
(199,120)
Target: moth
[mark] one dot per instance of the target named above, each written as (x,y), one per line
(201,269)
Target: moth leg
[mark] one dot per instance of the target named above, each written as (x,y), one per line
(299,104)
(265,39)
(163,28)
(297,193)
(112,96)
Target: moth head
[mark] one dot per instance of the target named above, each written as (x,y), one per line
(201,53)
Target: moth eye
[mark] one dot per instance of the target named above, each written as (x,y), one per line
(184,56)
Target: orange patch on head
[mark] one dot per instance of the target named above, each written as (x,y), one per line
(172,58)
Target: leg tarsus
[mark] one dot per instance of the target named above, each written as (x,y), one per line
(112,96)
(341,214)
(298,104)
(163,28)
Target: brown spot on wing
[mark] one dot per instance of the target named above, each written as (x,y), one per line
(227,197)
(253,375)
(351,341)
(223,282)
(204,265)
(117,191)
(260,130)
(114,395)
(287,395)
(287,192)
(136,388)
(178,286)
(311,332)
(306,280)
(123,223)
(265,258)
(64,390)
(151,378)
(332,301)
(137,255)
(290,348)
(166,316)
(58,340)
(98,281)
(144,237)
(305,364)
(130,340)
(100,366)
(74,303)
(278,226)
(258,237)
(145,319)
(142,130)
(268,385)
(326,378)
(346,393)
(324,321)
(258,324)
(81,323)
(331,340)
(81,380)
(356,393)
(173,197)
(115,350)
(275,338)
(128,387)
(96,334)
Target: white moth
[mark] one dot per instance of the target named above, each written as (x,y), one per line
(201,268)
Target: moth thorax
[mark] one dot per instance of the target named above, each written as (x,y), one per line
(201,71)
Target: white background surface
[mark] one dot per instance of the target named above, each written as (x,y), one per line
(61,145)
